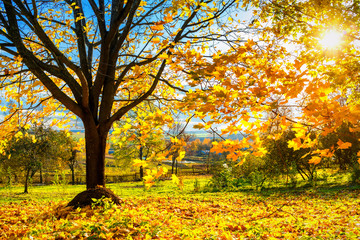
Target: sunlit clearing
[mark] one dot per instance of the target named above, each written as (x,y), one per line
(331,39)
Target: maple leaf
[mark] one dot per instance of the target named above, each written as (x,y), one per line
(343,145)
(181,155)
(156,40)
(149,181)
(157,27)
(315,160)
(138,163)
(175,179)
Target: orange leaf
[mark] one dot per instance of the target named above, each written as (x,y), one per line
(157,27)
(343,145)
(156,40)
(315,160)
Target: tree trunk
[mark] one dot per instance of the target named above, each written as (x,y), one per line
(72,168)
(141,158)
(27,180)
(41,175)
(95,141)
(71,164)
(172,164)
(176,167)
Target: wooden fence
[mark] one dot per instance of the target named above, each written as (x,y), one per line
(51,178)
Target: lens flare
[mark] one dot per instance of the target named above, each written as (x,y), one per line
(331,39)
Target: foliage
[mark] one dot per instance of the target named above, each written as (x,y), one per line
(189,56)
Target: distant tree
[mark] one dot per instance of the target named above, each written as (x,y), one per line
(31,150)
(284,160)
(135,141)
(72,162)
(177,144)
(345,143)
(194,146)
(27,150)
(67,151)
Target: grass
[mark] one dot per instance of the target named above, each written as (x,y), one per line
(125,190)
(326,182)
(192,185)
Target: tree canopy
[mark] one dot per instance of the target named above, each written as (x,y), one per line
(98,60)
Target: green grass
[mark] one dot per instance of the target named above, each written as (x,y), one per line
(333,183)
(125,190)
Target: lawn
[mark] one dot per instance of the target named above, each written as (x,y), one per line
(167,212)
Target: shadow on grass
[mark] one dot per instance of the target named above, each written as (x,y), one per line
(308,189)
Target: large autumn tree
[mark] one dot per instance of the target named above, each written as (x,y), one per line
(307,60)
(322,40)
(99,59)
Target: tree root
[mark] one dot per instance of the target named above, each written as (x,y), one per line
(84,198)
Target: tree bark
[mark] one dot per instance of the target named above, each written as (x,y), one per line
(27,180)
(41,175)
(95,141)
(176,167)
(72,175)
(141,158)
(172,164)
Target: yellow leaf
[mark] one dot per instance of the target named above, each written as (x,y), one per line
(295,144)
(127,126)
(181,155)
(162,170)
(199,126)
(149,181)
(19,134)
(175,179)
(163,56)
(156,40)
(139,162)
(168,18)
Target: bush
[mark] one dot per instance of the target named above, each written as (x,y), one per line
(344,159)
(224,177)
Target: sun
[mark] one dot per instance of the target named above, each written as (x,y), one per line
(331,39)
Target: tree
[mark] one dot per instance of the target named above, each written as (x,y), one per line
(135,141)
(345,155)
(282,159)
(323,37)
(176,146)
(30,149)
(291,66)
(67,150)
(99,60)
